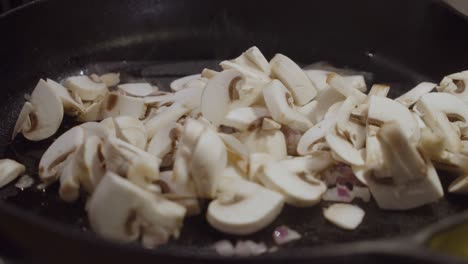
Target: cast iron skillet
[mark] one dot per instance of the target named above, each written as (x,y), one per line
(400,42)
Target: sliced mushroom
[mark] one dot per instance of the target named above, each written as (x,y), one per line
(238,154)
(412,96)
(184,195)
(325,100)
(401,158)
(91,111)
(408,196)
(209,159)
(270,124)
(250,63)
(379,90)
(359,114)
(455,84)
(249,209)
(110,79)
(346,216)
(85,88)
(131,162)
(382,110)
(296,190)
(257,163)
(187,81)
(121,211)
(319,78)
(339,84)
(9,171)
(244,118)
(208,74)
(132,129)
(311,164)
(308,110)
(272,142)
(69,179)
(115,105)
(24,120)
(56,154)
(136,89)
(314,135)
(46,115)
(294,78)
(437,109)
(343,149)
(353,132)
(164,141)
(70,105)
(279,102)
(169,115)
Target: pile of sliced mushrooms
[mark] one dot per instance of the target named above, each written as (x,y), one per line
(250,138)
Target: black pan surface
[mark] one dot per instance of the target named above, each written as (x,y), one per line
(400,43)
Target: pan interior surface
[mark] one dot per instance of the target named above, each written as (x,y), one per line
(159,41)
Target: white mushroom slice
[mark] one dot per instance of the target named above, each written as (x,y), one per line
(129,161)
(248,65)
(251,208)
(361,171)
(325,100)
(184,82)
(359,114)
(408,196)
(311,164)
(344,150)
(382,110)
(238,153)
(85,88)
(374,156)
(451,161)
(169,115)
(339,84)
(70,105)
(257,163)
(234,172)
(256,56)
(220,91)
(314,135)
(455,84)
(24,121)
(436,109)
(164,140)
(279,102)
(136,89)
(459,185)
(270,124)
(209,159)
(308,109)
(184,195)
(244,118)
(187,142)
(294,78)
(319,78)
(121,211)
(110,79)
(353,132)
(345,216)
(208,74)
(9,171)
(47,113)
(133,130)
(430,143)
(159,100)
(91,111)
(115,105)
(69,190)
(379,90)
(56,154)
(297,191)
(412,96)
(356,82)
(272,142)
(401,157)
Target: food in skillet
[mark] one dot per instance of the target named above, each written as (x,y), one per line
(249,139)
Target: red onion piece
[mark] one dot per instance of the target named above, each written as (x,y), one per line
(284,234)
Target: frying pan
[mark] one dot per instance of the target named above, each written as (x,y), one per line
(399,42)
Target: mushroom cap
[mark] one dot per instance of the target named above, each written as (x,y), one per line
(57,153)
(252,209)
(294,78)
(47,114)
